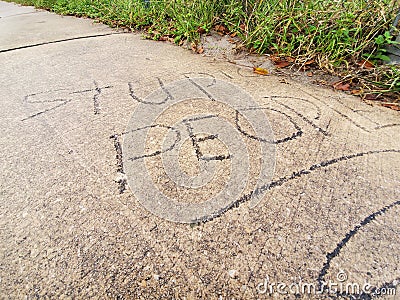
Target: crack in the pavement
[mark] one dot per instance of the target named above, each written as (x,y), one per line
(286,179)
(96,103)
(21,14)
(122,181)
(213,82)
(226,74)
(386,126)
(330,256)
(60,41)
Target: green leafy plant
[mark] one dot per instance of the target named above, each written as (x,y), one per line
(381,42)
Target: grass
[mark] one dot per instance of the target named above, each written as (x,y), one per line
(337,36)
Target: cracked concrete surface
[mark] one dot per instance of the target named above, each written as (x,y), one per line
(72,228)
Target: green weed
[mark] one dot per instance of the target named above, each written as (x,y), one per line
(336,35)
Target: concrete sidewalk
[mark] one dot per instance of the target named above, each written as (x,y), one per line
(74,217)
